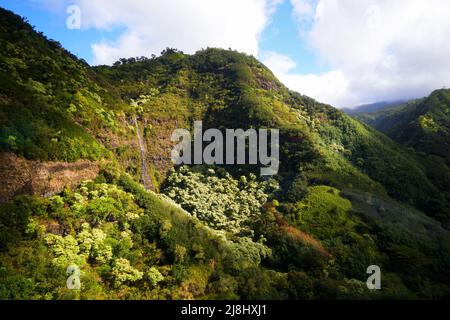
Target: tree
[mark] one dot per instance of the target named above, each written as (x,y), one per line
(154,276)
(123,272)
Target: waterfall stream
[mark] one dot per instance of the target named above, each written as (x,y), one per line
(144,170)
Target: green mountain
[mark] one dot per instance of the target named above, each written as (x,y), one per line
(421,124)
(88,181)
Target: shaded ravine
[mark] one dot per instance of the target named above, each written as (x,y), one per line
(144,170)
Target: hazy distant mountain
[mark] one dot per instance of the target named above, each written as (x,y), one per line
(373,107)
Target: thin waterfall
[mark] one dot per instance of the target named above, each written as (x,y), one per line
(144,170)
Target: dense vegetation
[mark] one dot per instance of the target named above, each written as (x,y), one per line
(346,196)
(423,126)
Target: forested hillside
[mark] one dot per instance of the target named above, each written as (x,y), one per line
(346,196)
(423,126)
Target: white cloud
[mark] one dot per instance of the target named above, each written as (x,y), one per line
(278,63)
(303,8)
(327,87)
(378,50)
(152,25)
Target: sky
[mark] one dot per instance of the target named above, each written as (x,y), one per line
(342,52)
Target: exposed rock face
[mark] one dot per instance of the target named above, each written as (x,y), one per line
(21,176)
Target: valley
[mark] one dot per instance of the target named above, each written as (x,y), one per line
(94,144)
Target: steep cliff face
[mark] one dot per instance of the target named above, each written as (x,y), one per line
(28,177)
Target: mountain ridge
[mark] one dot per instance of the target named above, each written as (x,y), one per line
(373,107)
(416,120)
